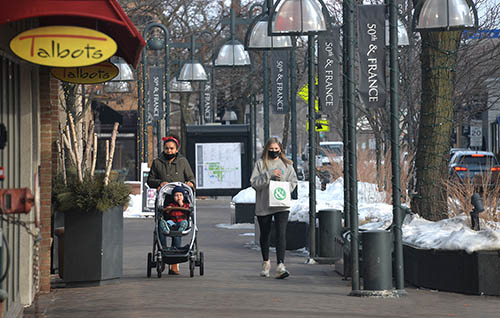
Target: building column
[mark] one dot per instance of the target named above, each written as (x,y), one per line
(49,120)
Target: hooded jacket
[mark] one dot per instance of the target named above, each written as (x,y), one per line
(162,170)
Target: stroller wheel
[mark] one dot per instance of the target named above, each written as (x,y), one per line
(191,267)
(159,267)
(150,264)
(202,267)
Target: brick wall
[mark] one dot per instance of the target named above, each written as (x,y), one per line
(48,164)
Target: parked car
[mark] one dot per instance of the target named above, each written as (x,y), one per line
(330,152)
(477,166)
(454,150)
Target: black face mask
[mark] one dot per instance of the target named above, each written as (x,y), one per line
(273,154)
(170,156)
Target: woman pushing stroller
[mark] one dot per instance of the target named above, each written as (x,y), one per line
(171,166)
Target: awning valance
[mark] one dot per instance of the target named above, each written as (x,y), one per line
(102,15)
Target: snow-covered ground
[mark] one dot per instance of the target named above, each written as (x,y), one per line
(450,234)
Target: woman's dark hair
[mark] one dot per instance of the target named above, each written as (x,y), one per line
(171,138)
(265,155)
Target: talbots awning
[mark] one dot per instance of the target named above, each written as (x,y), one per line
(102,15)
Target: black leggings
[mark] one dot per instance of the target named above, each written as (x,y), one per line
(280,222)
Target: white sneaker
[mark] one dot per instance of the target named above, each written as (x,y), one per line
(281,271)
(266,267)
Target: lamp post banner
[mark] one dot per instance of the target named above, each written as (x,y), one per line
(207,101)
(155,94)
(372,55)
(328,69)
(279,83)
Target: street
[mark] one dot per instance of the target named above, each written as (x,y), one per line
(231,286)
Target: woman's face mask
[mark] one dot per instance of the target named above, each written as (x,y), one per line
(170,150)
(274,151)
(273,154)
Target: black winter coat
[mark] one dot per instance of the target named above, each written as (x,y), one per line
(162,170)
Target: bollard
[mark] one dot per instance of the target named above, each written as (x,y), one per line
(377,260)
(330,231)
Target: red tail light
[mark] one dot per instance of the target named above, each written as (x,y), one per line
(476,155)
(460,169)
(495,169)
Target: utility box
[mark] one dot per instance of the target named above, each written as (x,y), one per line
(221,158)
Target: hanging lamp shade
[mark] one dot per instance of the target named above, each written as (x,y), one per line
(402,34)
(125,71)
(446,15)
(232,53)
(192,71)
(229,115)
(116,87)
(180,87)
(298,17)
(257,37)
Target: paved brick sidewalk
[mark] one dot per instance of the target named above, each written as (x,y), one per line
(231,286)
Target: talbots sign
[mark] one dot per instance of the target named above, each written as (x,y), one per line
(93,74)
(63,46)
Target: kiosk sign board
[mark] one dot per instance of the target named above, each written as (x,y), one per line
(148,194)
(218,165)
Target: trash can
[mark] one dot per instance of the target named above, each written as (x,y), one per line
(330,231)
(377,259)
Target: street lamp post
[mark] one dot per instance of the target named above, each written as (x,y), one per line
(154,44)
(352,183)
(395,132)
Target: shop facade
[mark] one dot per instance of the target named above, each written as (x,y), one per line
(29,112)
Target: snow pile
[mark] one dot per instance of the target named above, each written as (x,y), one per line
(237,226)
(449,234)
(245,196)
(134,207)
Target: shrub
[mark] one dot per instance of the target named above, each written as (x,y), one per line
(89,195)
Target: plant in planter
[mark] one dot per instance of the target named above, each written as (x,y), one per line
(92,205)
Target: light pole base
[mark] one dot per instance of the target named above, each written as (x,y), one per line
(393,293)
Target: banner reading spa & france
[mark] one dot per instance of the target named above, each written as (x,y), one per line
(372,55)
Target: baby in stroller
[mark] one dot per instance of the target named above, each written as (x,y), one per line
(174,218)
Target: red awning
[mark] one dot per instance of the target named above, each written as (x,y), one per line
(105,16)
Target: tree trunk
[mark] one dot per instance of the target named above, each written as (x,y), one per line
(438,59)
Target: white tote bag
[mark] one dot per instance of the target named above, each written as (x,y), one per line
(279,194)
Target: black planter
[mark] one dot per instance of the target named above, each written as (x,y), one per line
(93,247)
(296,235)
(244,212)
(456,271)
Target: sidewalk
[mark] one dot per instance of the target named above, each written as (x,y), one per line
(232,287)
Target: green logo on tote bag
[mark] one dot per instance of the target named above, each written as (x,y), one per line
(279,194)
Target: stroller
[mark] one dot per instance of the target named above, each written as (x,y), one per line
(187,253)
